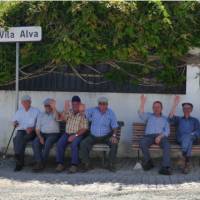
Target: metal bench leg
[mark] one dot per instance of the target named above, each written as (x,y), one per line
(104,158)
(138,163)
(138,155)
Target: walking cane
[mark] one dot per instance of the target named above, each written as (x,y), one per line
(5,152)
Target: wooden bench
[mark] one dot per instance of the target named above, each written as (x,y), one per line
(104,148)
(138,133)
(97,147)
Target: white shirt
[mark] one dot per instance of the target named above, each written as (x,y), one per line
(26,119)
(47,123)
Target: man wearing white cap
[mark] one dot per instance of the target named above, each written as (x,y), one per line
(103,130)
(48,132)
(24,120)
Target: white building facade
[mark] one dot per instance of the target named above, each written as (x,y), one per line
(125,106)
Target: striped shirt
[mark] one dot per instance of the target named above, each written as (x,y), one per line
(75,122)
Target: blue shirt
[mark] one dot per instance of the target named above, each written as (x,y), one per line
(185,125)
(154,124)
(101,123)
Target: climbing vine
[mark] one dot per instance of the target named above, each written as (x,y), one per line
(142,42)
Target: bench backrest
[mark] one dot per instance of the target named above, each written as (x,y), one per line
(139,129)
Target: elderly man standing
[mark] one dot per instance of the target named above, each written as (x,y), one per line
(188,132)
(156,132)
(76,127)
(24,120)
(103,130)
(48,133)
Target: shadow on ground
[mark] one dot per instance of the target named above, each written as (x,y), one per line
(125,175)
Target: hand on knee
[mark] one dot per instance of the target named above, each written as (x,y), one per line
(113,140)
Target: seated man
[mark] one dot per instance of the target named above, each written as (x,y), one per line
(25,120)
(48,132)
(188,132)
(103,130)
(156,132)
(76,127)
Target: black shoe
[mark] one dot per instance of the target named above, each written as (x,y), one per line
(111,167)
(84,167)
(165,171)
(18,168)
(19,160)
(147,166)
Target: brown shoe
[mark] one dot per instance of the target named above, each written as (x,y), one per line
(38,167)
(60,168)
(181,162)
(187,168)
(73,169)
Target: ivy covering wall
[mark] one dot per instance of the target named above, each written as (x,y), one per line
(141,41)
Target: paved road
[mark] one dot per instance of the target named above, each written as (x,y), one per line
(97,184)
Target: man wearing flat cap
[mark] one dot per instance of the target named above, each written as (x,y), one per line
(76,127)
(24,120)
(103,130)
(48,133)
(188,132)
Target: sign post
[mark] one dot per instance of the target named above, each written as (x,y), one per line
(17,35)
(17,77)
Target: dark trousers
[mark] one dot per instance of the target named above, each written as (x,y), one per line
(62,145)
(20,141)
(186,141)
(90,140)
(41,152)
(148,140)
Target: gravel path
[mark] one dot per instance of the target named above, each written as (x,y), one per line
(97,184)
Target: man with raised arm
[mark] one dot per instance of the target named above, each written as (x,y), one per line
(156,132)
(188,131)
(76,127)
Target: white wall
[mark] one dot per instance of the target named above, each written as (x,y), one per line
(125,106)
